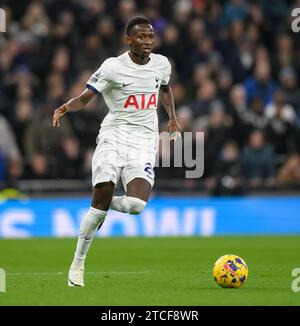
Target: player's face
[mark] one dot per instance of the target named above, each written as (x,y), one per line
(141,39)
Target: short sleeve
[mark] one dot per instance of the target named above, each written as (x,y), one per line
(166,72)
(102,78)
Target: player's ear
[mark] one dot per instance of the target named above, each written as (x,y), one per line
(128,40)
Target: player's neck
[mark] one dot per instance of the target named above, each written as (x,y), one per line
(138,59)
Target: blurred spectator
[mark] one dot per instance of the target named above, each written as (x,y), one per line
(61,61)
(23,115)
(258,161)
(234,10)
(236,51)
(281,129)
(169,46)
(181,13)
(260,84)
(206,94)
(185,118)
(85,124)
(178,94)
(227,172)
(91,12)
(217,132)
(196,32)
(55,90)
(274,13)
(289,173)
(280,108)
(39,167)
(224,84)
(153,13)
(214,65)
(255,118)
(238,98)
(87,164)
(92,54)
(22,84)
(106,29)
(213,17)
(288,83)
(201,74)
(36,20)
(10,157)
(285,54)
(126,10)
(246,119)
(262,55)
(41,138)
(71,160)
(237,108)
(201,54)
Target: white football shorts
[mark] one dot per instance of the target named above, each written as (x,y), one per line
(126,158)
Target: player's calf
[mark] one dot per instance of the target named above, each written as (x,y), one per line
(88,227)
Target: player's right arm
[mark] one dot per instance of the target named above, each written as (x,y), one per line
(75,104)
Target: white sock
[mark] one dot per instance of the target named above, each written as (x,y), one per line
(127,204)
(88,228)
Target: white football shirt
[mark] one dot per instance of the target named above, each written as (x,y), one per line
(131,92)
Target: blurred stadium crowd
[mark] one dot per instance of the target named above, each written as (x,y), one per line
(236,74)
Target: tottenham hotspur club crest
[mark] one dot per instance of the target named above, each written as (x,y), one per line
(156,80)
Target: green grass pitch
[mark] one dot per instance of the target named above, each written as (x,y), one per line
(149,271)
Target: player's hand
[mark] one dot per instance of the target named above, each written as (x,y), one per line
(58,113)
(174,130)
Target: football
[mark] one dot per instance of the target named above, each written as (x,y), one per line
(230,271)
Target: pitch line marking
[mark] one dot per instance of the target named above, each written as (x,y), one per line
(104,272)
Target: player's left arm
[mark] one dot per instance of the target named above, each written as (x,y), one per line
(167,100)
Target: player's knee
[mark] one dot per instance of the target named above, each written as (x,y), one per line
(136,209)
(135,205)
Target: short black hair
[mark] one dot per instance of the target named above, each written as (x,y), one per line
(136,21)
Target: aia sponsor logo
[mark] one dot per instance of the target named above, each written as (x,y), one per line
(141,102)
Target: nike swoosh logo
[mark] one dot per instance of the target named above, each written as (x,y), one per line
(124,85)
